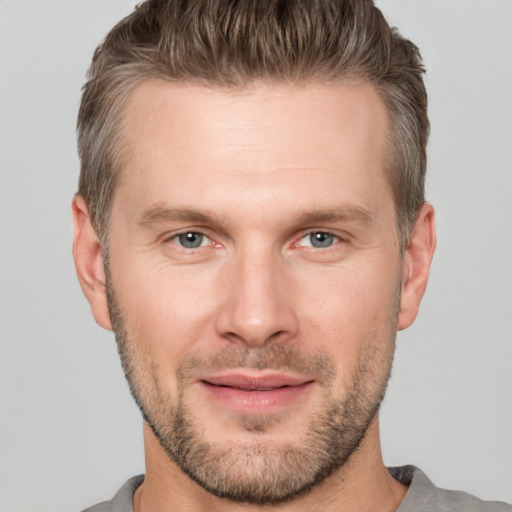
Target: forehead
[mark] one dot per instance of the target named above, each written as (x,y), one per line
(267,140)
(293,112)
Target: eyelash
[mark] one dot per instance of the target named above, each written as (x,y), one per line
(175,239)
(309,233)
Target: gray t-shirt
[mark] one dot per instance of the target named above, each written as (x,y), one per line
(422,496)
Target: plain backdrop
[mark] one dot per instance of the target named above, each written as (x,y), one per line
(70,434)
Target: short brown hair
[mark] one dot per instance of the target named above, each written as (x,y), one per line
(233,43)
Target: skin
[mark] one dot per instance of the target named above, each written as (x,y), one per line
(264,167)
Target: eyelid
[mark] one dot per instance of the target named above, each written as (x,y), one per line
(172,237)
(340,237)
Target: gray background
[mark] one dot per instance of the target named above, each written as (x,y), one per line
(70,434)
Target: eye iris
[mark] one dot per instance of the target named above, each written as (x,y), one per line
(321,239)
(191,240)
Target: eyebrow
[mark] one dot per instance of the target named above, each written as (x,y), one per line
(350,213)
(161,213)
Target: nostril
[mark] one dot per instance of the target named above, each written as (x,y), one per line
(256,321)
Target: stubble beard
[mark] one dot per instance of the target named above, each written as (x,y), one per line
(259,471)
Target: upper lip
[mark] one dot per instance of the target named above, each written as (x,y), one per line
(247,381)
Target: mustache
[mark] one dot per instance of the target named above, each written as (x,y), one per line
(276,357)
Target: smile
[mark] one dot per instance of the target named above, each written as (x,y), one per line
(251,394)
(253,389)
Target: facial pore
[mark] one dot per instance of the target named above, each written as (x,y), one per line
(259,471)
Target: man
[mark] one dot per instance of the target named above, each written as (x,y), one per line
(251,224)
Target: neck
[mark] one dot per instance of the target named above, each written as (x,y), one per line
(362,484)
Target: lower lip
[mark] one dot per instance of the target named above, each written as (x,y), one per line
(256,402)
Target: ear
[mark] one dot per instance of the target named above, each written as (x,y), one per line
(416,265)
(89,262)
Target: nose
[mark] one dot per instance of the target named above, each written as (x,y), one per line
(258,307)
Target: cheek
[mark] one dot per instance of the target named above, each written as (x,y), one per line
(347,313)
(171,311)
(167,312)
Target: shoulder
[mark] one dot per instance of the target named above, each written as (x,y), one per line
(104,506)
(424,495)
(123,499)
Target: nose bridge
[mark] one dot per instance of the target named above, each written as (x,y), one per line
(257,308)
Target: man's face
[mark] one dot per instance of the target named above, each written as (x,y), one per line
(254,278)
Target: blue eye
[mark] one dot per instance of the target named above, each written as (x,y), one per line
(191,240)
(319,240)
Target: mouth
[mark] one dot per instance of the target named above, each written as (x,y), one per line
(255,394)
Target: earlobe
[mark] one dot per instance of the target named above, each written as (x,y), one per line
(416,265)
(89,262)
